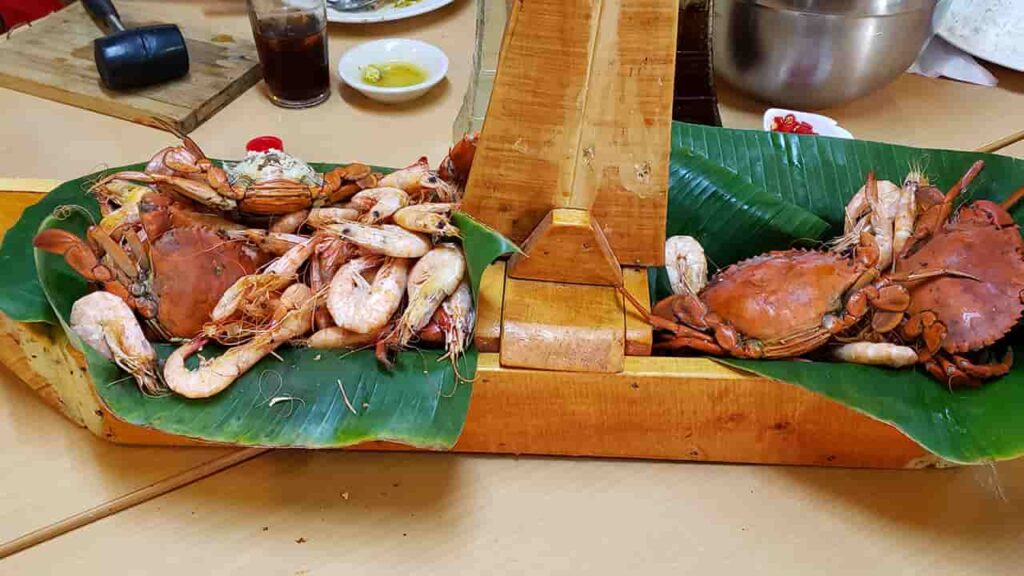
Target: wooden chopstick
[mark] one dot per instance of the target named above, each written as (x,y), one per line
(1002,142)
(129,500)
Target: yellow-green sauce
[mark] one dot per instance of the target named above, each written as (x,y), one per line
(393,74)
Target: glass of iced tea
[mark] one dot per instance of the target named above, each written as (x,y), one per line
(291,38)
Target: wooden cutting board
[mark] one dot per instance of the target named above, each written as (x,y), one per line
(53,59)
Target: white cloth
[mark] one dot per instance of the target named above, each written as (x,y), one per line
(940,58)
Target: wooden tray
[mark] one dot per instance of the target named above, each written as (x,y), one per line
(663,408)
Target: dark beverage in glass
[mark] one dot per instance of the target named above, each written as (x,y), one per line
(291,38)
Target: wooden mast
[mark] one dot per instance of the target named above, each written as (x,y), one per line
(573,165)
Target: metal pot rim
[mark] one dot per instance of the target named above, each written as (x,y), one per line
(846,7)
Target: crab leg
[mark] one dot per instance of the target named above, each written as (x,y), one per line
(76,253)
(812,340)
(927,327)
(122,262)
(201,192)
(344,181)
(687,343)
(985,371)
(138,249)
(933,219)
(945,370)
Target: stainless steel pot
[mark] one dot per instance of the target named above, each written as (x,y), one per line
(812,54)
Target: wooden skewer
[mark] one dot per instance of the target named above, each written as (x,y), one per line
(1002,142)
(129,500)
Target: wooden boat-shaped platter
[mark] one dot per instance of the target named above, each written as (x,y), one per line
(572,165)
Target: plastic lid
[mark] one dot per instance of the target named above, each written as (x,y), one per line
(264,143)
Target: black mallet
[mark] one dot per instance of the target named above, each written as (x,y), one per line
(137,57)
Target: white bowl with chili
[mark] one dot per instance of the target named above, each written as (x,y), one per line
(796,122)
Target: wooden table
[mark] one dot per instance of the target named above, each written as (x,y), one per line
(298,512)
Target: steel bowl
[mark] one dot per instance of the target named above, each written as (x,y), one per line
(811,54)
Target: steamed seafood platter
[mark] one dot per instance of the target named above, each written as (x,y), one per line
(267,252)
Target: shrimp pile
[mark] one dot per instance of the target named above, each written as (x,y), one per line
(382,268)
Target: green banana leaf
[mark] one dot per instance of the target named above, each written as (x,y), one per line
(293,400)
(819,175)
(22,297)
(723,211)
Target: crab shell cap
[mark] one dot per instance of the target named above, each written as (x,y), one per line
(264,143)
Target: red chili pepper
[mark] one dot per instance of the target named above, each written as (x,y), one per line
(790,124)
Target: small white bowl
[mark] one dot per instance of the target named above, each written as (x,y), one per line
(822,125)
(428,57)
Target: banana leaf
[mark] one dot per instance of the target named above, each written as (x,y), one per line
(723,211)
(22,298)
(301,398)
(819,175)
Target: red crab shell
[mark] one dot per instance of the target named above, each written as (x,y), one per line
(781,293)
(984,243)
(192,268)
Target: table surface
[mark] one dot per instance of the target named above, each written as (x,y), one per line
(300,512)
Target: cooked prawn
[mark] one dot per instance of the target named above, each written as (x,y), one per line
(884,198)
(290,223)
(385,239)
(291,299)
(215,375)
(429,218)
(460,317)
(873,209)
(320,217)
(379,203)
(906,211)
(276,243)
(685,264)
(416,179)
(107,324)
(126,196)
(433,279)
(337,337)
(876,354)
(359,306)
(250,291)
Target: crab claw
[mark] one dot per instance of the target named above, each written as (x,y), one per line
(76,253)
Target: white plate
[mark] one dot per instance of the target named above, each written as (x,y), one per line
(992,30)
(822,125)
(385,11)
